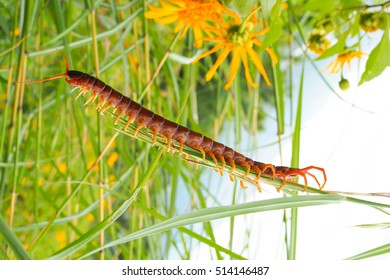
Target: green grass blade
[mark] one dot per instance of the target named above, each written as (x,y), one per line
(13,241)
(96,231)
(213,213)
(291,253)
(372,253)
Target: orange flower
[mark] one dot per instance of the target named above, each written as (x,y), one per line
(341,59)
(197,14)
(239,39)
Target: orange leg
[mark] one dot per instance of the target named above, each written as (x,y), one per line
(258,186)
(299,173)
(117,118)
(200,149)
(92,97)
(213,157)
(100,103)
(81,92)
(255,168)
(306,169)
(129,121)
(154,137)
(140,125)
(284,177)
(181,146)
(233,165)
(248,167)
(242,185)
(168,142)
(101,111)
(220,157)
(270,166)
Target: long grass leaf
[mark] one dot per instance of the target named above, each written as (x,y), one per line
(213,213)
(13,241)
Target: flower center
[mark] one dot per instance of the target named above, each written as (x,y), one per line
(239,35)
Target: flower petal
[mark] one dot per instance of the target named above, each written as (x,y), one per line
(220,59)
(198,37)
(257,62)
(213,50)
(248,76)
(233,67)
(167,19)
(262,32)
(272,55)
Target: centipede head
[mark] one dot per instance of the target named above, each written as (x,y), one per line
(75,78)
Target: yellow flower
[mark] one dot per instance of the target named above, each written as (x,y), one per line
(15,32)
(112,159)
(239,39)
(90,218)
(62,167)
(60,236)
(341,59)
(197,14)
(318,43)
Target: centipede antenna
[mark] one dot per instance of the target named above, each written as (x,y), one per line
(66,60)
(63,75)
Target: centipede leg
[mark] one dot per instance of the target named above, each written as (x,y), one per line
(247,166)
(140,125)
(255,168)
(118,117)
(242,185)
(233,165)
(302,174)
(282,175)
(100,104)
(129,121)
(221,158)
(168,142)
(154,137)
(269,166)
(181,143)
(306,169)
(213,157)
(103,109)
(81,92)
(92,97)
(257,186)
(200,149)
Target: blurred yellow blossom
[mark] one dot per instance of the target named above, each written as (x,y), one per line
(90,218)
(15,32)
(200,15)
(337,65)
(112,159)
(62,167)
(60,236)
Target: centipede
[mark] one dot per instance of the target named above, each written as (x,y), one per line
(220,154)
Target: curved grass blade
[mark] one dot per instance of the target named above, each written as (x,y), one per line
(94,232)
(213,213)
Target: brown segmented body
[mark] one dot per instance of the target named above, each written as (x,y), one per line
(110,98)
